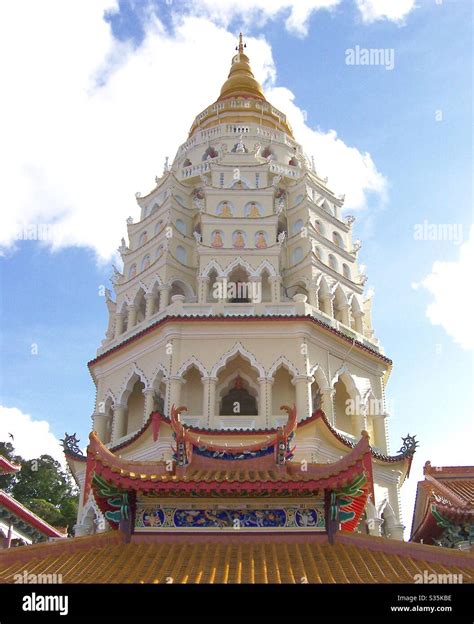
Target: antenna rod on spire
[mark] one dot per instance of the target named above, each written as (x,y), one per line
(241,45)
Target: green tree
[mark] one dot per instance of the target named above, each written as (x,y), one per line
(43,487)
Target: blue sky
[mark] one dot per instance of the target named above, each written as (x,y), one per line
(121,76)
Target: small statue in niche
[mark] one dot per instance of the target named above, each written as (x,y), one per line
(225,210)
(240,147)
(217,239)
(197,237)
(239,240)
(260,241)
(254,212)
(281,238)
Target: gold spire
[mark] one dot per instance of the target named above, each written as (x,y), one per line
(241,80)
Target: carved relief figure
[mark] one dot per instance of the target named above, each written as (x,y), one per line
(253,211)
(238,240)
(224,210)
(260,240)
(216,239)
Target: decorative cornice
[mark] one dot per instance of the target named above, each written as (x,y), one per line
(230,319)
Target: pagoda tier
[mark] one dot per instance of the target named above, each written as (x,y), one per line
(214,486)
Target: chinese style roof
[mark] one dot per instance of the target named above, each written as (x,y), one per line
(444,499)
(6,466)
(404,456)
(352,558)
(25,520)
(205,469)
(155,419)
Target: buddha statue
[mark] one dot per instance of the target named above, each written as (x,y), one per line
(254,212)
(260,242)
(226,211)
(239,241)
(217,239)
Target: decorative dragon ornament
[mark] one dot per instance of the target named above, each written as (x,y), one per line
(71,443)
(409,446)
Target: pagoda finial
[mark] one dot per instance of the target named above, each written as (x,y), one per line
(242,45)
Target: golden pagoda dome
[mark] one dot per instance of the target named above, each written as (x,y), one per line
(241,100)
(241,80)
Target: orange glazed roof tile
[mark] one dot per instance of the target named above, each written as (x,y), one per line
(270,559)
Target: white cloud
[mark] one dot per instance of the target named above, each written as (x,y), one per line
(394,10)
(259,12)
(32,438)
(349,171)
(450,285)
(74,150)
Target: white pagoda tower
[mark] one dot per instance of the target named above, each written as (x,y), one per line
(240,293)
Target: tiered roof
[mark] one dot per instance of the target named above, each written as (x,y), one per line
(446,496)
(7,467)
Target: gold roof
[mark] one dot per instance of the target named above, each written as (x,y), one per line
(351,559)
(241,80)
(241,100)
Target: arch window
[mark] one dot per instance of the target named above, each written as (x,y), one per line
(146,262)
(143,238)
(283,391)
(337,239)
(181,226)
(346,271)
(342,401)
(319,227)
(210,153)
(297,255)
(181,254)
(333,262)
(238,400)
(297,226)
(132,271)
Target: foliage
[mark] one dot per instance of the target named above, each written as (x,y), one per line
(43,487)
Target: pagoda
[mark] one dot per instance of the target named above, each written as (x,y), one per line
(240,363)
(239,432)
